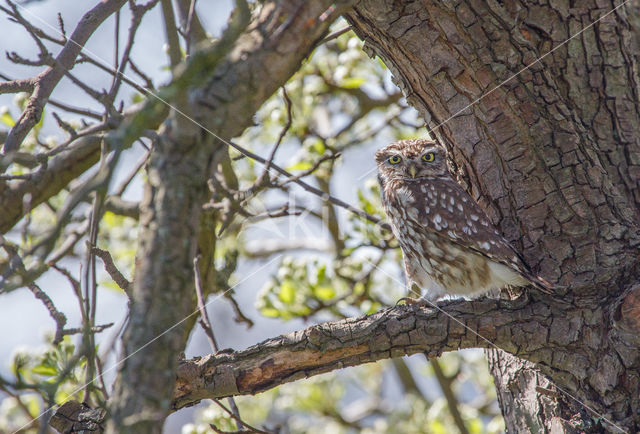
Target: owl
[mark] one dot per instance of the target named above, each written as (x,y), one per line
(448,243)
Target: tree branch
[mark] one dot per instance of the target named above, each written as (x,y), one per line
(395,332)
(48,80)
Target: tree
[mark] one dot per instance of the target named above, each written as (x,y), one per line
(538,106)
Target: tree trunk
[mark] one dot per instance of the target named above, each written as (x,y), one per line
(551,151)
(223,99)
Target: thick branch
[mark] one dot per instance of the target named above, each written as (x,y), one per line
(46,183)
(395,332)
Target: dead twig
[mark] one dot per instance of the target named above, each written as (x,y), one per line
(296,178)
(265,173)
(57,316)
(205,323)
(49,79)
(111,269)
(334,35)
(250,429)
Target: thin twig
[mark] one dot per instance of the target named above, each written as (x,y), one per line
(204,316)
(287,125)
(190,16)
(94,329)
(18,264)
(252,429)
(296,178)
(240,316)
(309,188)
(335,35)
(171,33)
(125,182)
(137,13)
(57,316)
(283,211)
(111,269)
(205,323)
(75,285)
(91,290)
(48,80)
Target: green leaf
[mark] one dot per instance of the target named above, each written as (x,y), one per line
(270,312)
(324,292)
(321,273)
(136,98)
(301,165)
(353,82)
(7,119)
(287,292)
(44,370)
(318,147)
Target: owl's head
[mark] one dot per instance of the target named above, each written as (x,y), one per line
(411,160)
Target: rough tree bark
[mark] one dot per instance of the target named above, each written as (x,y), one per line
(552,155)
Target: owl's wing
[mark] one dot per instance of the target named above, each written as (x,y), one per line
(448,211)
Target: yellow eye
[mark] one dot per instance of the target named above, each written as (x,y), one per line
(395,159)
(429,157)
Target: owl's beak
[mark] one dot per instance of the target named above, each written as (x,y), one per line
(413,170)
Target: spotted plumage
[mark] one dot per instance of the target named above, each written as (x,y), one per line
(449,245)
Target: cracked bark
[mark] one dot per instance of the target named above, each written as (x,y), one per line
(394,332)
(528,329)
(553,157)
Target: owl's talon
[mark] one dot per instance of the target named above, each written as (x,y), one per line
(408,301)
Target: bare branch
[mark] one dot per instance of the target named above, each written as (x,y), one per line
(74,159)
(137,13)
(93,329)
(49,79)
(394,332)
(15,86)
(57,316)
(204,316)
(171,33)
(285,129)
(111,268)
(240,421)
(192,29)
(119,206)
(305,173)
(335,35)
(311,189)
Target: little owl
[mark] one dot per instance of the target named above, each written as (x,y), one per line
(449,245)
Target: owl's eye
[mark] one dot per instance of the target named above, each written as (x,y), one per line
(395,159)
(429,157)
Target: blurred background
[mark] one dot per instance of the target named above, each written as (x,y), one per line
(283,272)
